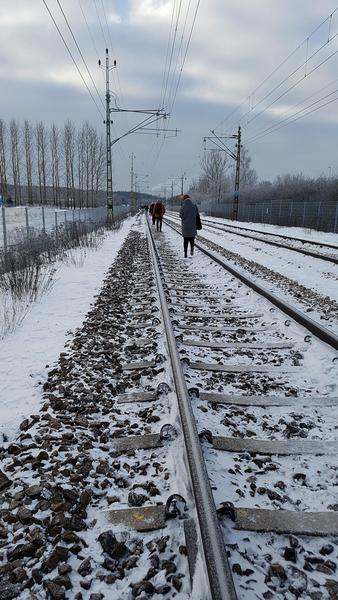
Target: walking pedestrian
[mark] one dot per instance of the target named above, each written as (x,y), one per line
(158,212)
(151,212)
(190,223)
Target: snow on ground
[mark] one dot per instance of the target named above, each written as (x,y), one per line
(311,272)
(314,274)
(297,232)
(27,354)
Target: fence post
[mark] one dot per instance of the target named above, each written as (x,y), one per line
(56,227)
(318,213)
(43,220)
(65,219)
(4,230)
(255,212)
(27,221)
(73,214)
(336,218)
(304,211)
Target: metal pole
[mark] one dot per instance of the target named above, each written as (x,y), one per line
(4,230)
(237,176)
(27,221)
(56,227)
(110,200)
(132,181)
(304,210)
(336,218)
(43,219)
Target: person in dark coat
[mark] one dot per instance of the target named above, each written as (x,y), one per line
(188,214)
(151,212)
(158,213)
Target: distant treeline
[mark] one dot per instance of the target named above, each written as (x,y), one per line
(51,165)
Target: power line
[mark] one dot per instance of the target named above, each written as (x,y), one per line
(179,50)
(111,45)
(297,119)
(79,50)
(99,18)
(72,57)
(186,52)
(167,54)
(89,31)
(172,50)
(334,81)
(293,86)
(283,62)
(288,77)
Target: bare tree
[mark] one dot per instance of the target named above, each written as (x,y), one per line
(80,156)
(248,175)
(69,148)
(3,157)
(99,165)
(15,158)
(54,144)
(29,149)
(214,167)
(41,145)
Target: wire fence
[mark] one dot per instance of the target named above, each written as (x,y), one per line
(23,222)
(321,215)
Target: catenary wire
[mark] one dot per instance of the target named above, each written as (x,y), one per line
(284,61)
(172,51)
(284,114)
(305,76)
(170,94)
(79,50)
(185,55)
(72,57)
(293,86)
(294,120)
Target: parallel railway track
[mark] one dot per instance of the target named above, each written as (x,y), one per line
(263,236)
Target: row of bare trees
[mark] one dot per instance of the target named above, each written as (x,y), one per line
(58,166)
(218,175)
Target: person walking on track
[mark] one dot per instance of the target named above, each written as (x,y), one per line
(151,212)
(190,223)
(158,213)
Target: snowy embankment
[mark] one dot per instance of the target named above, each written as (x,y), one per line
(29,352)
(284,266)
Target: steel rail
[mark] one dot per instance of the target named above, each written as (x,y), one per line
(281,235)
(231,229)
(217,566)
(320,332)
(305,251)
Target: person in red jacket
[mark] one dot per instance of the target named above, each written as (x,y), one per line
(151,212)
(158,213)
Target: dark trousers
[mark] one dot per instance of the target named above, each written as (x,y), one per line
(158,223)
(186,241)
(153,218)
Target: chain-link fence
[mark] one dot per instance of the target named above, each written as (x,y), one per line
(23,222)
(321,215)
(311,214)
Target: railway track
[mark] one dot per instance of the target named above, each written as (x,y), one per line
(239,366)
(186,447)
(262,236)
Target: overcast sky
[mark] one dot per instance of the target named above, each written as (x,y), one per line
(235,46)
